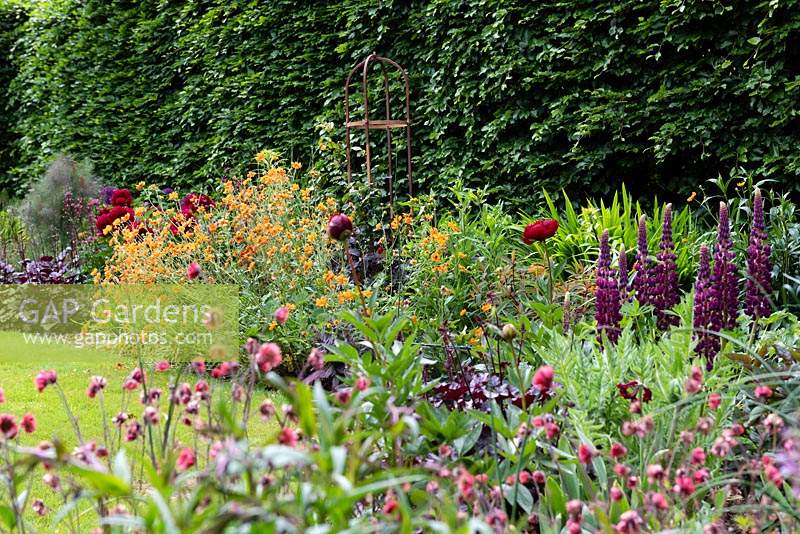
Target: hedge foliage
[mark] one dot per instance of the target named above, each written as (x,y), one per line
(582,94)
(12,16)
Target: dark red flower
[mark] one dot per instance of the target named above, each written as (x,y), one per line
(543,378)
(8,426)
(107,217)
(340,227)
(630,391)
(122,197)
(539,230)
(193,202)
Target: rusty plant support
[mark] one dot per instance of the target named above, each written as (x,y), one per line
(387,123)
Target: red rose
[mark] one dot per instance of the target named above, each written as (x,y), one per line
(340,227)
(539,230)
(193,202)
(122,197)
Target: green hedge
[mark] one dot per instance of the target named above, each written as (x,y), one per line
(517,94)
(12,17)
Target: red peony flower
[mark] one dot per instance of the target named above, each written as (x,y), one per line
(340,227)
(194,202)
(122,197)
(106,217)
(539,230)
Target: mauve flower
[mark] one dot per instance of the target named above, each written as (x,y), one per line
(539,231)
(664,276)
(759,269)
(122,197)
(698,456)
(281,314)
(724,276)
(288,436)
(151,416)
(268,357)
(390,506)
(607,294)
(714,400)
(193,271)
(616,494)
(44,379)
(28,423)
(267,409)
(683,486)
(186,459)
(642,265)
(340,227)
(8,426)
(162,366)
(2,396)
(657,501)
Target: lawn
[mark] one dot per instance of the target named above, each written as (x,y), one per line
(19,364)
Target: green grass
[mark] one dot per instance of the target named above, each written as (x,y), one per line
(19,364)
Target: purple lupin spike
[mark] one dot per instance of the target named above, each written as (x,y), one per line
(759,269)
(642,265)
(724,276)
(705,321)
(607,294)
(623,275)
(664,277)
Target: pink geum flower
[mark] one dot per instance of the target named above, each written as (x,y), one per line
(268,357)
(281,314)
(186,459)
(288,436)
(96,385)
(714,400)
(763,392)
(543,378)
(618,450)
(44,379)
(586,453)
(193,271)
(362,383)
(162,366)
(316,359)
(2,396)
(28,423)
(8,426)
(629,523)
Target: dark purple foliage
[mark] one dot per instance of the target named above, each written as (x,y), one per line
(724,275)
(664,277)
(470,389)
(607,294)
(759,285)
(62,269)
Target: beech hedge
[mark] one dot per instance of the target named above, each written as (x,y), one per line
(584,95)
